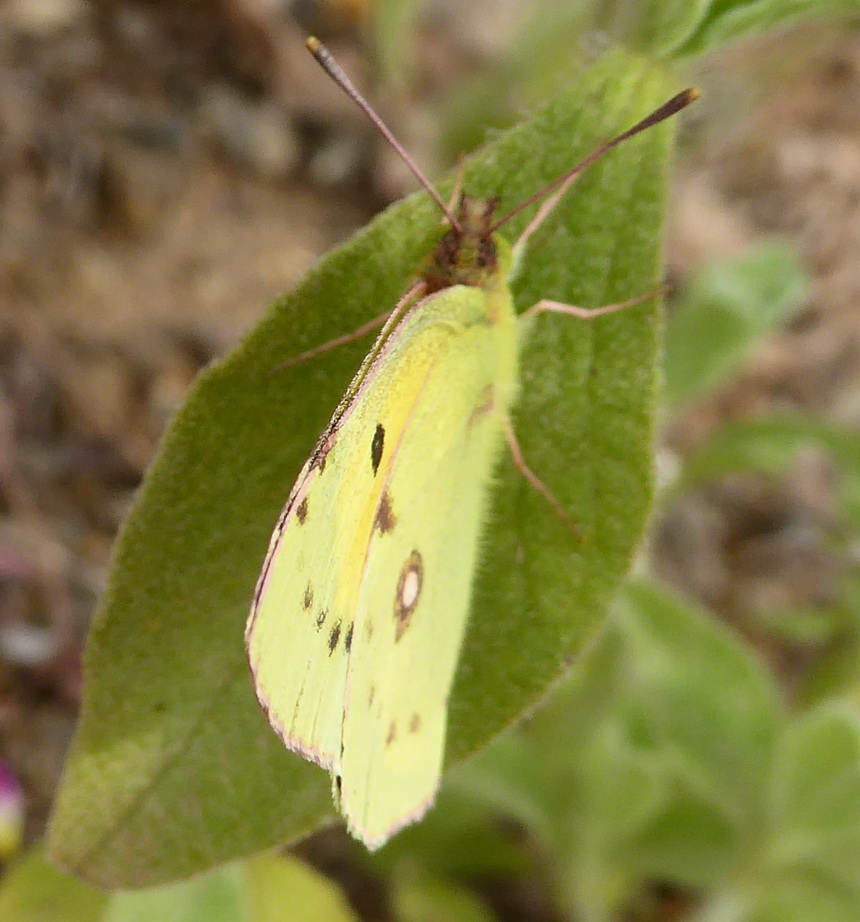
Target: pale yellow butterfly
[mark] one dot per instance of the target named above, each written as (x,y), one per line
(362,603)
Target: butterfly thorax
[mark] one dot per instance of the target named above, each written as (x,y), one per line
(467,254)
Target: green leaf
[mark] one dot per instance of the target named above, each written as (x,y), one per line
(669,781)
(736,20)
(798,898)
(275,882)
(421,898)
(701,696)
(174,767)
(253,891)
(653,26)
(219,896)
(395,26)
(691,843)
(32,890)
(789,899)
(700,702)
(816,796)
(726,310)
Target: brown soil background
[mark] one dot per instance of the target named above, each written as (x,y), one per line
(167,170)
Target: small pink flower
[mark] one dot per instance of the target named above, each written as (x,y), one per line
(11,812)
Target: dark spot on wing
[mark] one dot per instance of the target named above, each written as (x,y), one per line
(368,629)
(323,614)
(377,447)
(392,734)
(308,598)
(347,641)
(385,519)
(408,593)
(302,511)
(333,638)
(415,723)
(371,696)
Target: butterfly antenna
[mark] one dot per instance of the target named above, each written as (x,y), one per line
(667,110)
(326,60)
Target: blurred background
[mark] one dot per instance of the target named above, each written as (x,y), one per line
(168,169)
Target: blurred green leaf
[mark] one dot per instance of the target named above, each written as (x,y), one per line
(168,705)
(692,843)
(804,867)
(701,699)
(32,890)
(258,890)
(621,786)
(278,882)
(816,795)
(728,21)
(420,898)
(723,313)
(655,27)
(548,52)
(802,898)
(219,896)
(671,780)
(394,24)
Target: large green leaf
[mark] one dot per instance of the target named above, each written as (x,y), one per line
(174,767)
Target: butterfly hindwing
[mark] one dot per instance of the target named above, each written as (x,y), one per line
(416,587)
(362,605)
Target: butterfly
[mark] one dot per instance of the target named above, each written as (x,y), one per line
(361,607)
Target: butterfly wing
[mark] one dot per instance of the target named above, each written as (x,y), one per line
(361,607)
(300,628)
(299,613)
(414,599)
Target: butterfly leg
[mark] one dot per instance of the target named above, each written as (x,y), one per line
(532,477)
(545,210)
(333,343)
(584,313)
(355,335)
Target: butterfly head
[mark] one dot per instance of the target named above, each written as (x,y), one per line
(469,253)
